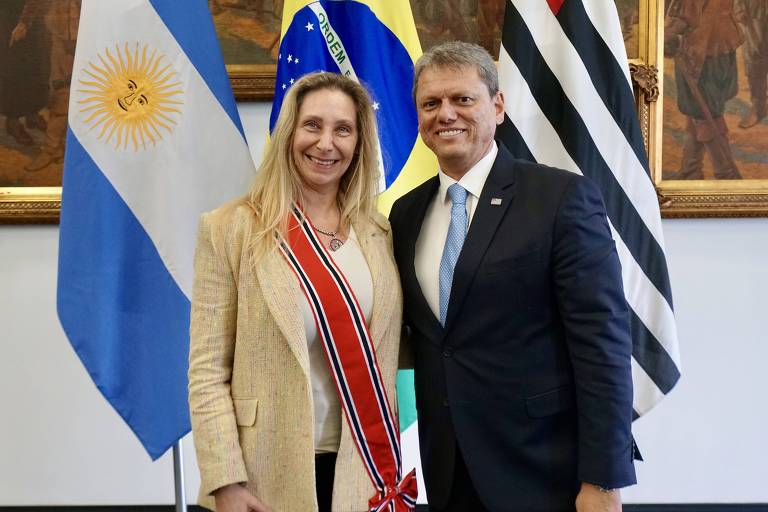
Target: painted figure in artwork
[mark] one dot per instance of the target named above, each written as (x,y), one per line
(24,72)
(248,30)
(703,38)
(61,18)
(752,16)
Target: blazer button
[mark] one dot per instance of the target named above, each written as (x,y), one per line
(448,352)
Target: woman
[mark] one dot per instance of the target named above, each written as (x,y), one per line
(265,408)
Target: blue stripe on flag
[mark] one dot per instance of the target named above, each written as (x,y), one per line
(193,29)
(125,316)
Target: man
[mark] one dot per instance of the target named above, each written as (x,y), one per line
(517,318)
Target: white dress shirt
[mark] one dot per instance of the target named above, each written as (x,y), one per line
(350,260)
(434,229)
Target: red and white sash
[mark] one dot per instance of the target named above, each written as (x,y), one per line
(352,360)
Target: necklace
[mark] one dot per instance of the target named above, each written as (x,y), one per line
(327,233)
(335,244)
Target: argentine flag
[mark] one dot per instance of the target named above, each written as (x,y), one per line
(154,140)
(374,42)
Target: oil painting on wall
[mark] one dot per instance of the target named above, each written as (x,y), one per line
(37,45)
(715,71)
(714,128)
(40,35)
(249,29)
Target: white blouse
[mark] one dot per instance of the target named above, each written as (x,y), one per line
(350,260)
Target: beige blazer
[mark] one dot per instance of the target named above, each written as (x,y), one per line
(249,389)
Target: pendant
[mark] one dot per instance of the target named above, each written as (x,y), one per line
(335,244)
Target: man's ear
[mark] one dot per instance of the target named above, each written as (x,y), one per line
(498,104)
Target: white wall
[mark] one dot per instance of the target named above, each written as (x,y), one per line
(707,442)
(61,443)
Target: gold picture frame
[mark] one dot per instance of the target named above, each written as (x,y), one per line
(644,35)
(30,205)
(34,196)
(252,82)
(661,120)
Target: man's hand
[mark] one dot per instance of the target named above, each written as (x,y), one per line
(592,499)
(19,32)
(236,498)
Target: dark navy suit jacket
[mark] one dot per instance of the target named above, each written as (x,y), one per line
(531,374)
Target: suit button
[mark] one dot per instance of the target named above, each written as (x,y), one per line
(448,352)
(445,403)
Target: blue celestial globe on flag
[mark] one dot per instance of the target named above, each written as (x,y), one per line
(347,37)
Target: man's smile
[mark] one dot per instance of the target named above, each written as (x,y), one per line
(450,133)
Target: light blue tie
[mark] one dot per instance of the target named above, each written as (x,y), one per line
(457,232)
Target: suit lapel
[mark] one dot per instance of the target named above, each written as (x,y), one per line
(421,314)
(373,245)
(485,222)
(280,289)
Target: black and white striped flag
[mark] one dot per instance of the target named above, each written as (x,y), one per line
(569,104)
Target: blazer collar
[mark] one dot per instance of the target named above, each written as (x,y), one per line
(498,193)
(281,290)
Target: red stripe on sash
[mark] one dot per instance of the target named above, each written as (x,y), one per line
(352,359)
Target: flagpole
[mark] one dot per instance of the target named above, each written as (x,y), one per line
(178,477)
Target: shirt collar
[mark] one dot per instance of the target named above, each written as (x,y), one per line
(473,180)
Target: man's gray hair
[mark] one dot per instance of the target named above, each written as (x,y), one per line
(458,54)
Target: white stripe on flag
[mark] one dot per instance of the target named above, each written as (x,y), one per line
(646,393)
(186,173)
(565,62)
(331,37)
(545,146)
(522,109)
(409,445)
(646,301)
(606,22)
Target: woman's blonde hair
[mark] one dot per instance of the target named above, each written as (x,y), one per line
(278,182)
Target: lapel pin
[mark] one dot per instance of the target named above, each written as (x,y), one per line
(496,201)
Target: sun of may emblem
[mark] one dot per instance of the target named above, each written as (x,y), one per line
(131,97)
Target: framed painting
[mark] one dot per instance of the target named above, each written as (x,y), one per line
(710,140)
(688,172)
(37,43)
(249,32)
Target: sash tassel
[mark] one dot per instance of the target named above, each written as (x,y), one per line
(402,496)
